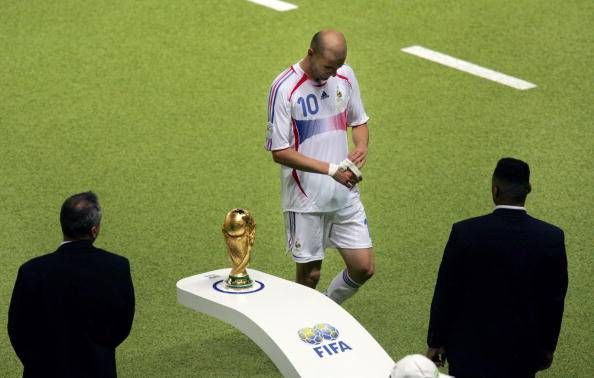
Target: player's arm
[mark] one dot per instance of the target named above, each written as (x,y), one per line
(357,120)
(360,136)
(294,159)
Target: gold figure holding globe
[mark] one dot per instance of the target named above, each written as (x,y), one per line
(239,229)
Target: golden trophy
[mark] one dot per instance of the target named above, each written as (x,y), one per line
(239,230)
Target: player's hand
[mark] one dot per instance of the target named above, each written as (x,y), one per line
(437,355)
(346,178)
(358,156)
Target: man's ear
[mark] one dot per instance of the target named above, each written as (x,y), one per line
(495,190)
(310,52)
(95,231)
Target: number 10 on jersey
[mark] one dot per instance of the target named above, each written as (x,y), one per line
(309,105)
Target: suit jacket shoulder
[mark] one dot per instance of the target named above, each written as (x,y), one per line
(503,217)
(70,252)
(545,226)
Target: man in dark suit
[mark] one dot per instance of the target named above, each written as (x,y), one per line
(71,308)
(501,286)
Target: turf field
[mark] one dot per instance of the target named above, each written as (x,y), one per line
(160,108)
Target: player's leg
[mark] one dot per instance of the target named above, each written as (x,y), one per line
(359,268)
(360,263)
(350,234)
(308,274)
(305,238)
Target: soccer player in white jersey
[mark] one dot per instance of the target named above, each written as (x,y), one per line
(311,105)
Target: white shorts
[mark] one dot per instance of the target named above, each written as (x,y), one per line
(309,234)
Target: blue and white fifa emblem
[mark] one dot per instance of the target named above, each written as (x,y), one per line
(324,336)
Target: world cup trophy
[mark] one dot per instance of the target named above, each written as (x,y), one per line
(239,230)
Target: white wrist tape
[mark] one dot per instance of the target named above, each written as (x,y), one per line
(347,164)
(332,169)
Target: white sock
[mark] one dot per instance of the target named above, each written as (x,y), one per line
(342,287)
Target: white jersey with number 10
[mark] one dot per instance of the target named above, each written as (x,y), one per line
(313,118)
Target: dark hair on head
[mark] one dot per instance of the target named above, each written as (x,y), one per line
(513,178)
(79,214)
(316,42)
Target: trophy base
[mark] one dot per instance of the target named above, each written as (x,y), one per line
(239,282)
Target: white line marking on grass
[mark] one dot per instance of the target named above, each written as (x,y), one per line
(277,5)
(468,67)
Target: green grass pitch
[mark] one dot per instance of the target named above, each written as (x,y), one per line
(160,107)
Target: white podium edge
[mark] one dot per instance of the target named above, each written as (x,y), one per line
(244,324)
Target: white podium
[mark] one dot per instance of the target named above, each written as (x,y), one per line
(304,333)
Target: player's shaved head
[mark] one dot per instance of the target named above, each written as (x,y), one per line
(326,54)
(331,42)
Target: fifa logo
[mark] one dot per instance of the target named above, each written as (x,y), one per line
(323,335)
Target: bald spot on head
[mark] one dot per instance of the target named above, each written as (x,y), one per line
(330,43)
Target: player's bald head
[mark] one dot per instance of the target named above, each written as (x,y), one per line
(326,54)
(331,43)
